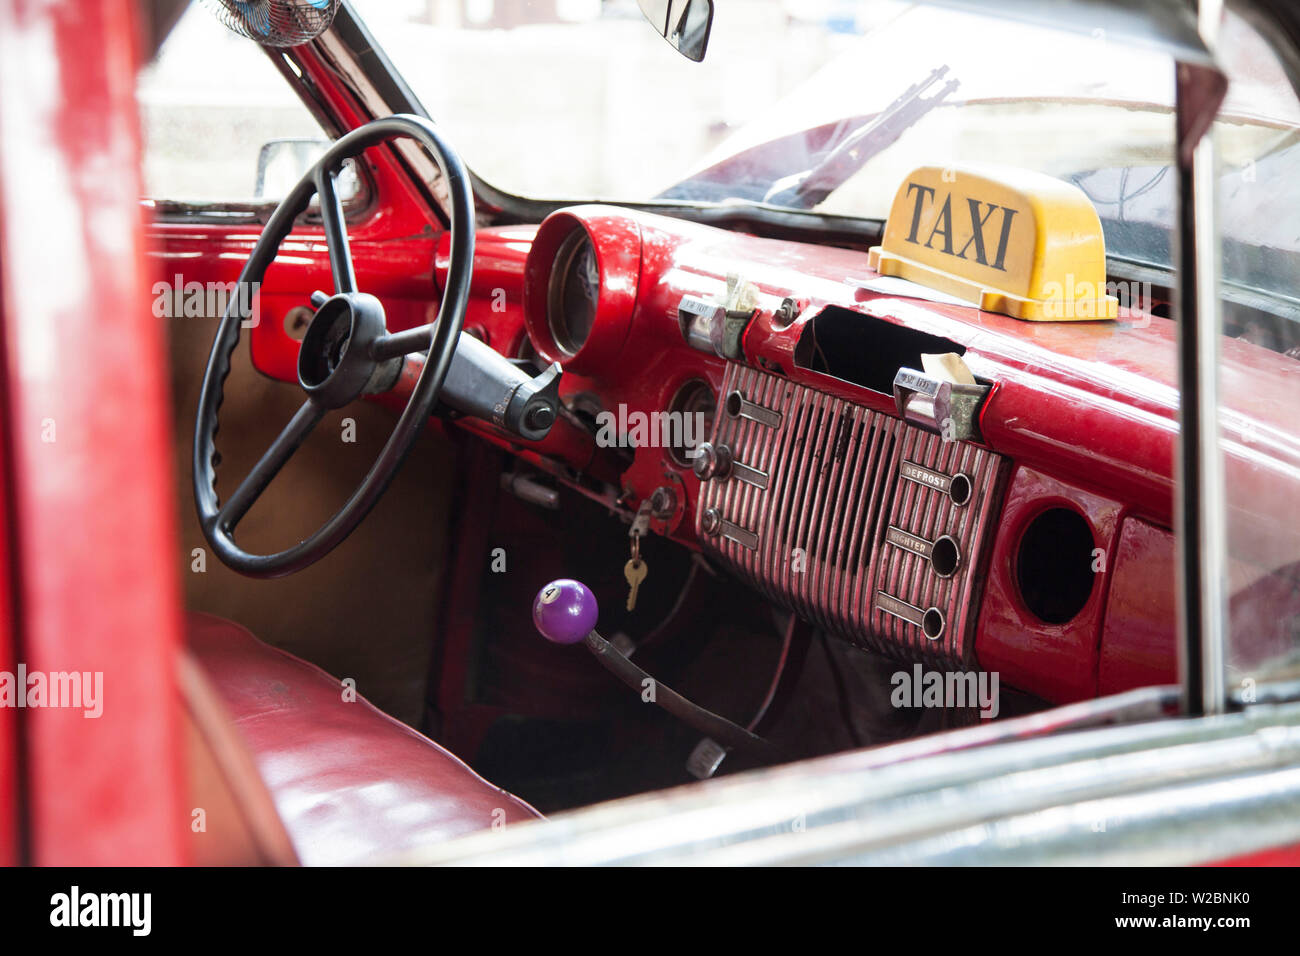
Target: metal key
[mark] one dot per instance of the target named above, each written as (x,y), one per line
(635,571)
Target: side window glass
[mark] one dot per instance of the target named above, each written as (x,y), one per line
(1258,146)
(220,123)
(1259,191)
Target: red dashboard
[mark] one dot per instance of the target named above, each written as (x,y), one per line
(1074,452)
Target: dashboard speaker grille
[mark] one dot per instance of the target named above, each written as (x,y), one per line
(844,526)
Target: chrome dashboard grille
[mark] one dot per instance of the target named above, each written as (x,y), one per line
(818,514)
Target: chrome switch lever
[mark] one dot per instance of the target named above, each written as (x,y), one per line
(948,409)
(712,461)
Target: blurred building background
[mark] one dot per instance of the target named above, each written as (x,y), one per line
(553,98)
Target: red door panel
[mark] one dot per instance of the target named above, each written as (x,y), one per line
(90,498)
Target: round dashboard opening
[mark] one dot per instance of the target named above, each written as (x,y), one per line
(959,490)
(691,414)
(1054,565)
(945,557)
(932,624)
(574,293)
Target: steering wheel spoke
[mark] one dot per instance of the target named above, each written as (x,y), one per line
(268,466)
(336,230)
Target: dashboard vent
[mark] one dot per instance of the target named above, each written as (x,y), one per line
(867,526)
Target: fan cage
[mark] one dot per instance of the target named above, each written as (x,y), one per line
(277,23)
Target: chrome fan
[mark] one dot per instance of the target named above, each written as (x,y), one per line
(277,23)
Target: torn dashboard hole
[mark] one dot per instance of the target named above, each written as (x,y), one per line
(863,349)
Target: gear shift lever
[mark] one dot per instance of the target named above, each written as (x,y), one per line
(565,612)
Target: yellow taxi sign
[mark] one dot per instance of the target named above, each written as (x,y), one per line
(1008,240)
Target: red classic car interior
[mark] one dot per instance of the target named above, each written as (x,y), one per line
(1074,459)
(738,470)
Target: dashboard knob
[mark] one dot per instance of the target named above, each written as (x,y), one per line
(565,611)
(663,503)
(711,461)
(711,521)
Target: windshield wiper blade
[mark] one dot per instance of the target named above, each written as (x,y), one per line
(809,188)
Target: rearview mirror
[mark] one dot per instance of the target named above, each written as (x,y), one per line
(282,162)
(683,23)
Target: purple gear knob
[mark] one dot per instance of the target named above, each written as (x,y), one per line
(565,611)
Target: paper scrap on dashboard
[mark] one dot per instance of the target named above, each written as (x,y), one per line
(742,295)
(947,367)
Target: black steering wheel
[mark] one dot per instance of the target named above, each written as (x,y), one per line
(346,353)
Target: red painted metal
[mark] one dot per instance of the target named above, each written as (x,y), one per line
(616,240)
(91,516)
(651,367)
(10,853)
(1139,638)
(392,251)
(1087,410)
(1055,661)
(1280,856)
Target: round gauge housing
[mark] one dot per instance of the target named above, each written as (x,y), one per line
(580,285)
(574,293)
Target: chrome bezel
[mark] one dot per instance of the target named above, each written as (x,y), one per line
(560,269)
(690,391)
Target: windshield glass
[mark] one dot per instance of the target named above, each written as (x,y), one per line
(789,88)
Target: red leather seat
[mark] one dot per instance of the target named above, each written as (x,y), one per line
(351,784)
